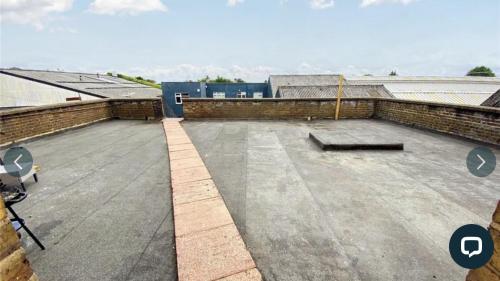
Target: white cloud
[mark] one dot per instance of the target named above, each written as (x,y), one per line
(321,4)
(131,7)
(184,72)
(232,3)
(366,3)
(34,12)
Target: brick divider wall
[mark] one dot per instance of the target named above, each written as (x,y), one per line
(208,244)
(25,123)
(472,122)
(13,262)
(276,108)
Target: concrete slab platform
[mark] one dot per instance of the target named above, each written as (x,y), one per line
(183,154)
(200,215)
(189,175)
(343,141)
(249,275)
(194,191)
(184,163)
(212,255)
(307,214)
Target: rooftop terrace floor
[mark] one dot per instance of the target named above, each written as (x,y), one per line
(306,214)
(102,205)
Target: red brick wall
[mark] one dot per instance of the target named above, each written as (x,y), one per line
(13,262)
(473,122)
(20,124)
(491,271)
(137,109)
(275,108)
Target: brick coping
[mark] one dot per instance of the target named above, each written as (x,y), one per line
(208,244)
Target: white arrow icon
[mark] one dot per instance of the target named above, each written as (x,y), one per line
(482,160)
(17,159)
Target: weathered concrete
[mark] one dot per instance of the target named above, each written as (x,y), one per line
(306,214)
(102,206)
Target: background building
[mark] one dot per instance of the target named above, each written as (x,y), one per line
(19,88)
(454,90)
(175,92)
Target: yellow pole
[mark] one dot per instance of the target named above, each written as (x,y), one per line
(339,96)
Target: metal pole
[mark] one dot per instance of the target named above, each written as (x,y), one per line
(339,96)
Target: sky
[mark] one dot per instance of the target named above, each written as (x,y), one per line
(178,40)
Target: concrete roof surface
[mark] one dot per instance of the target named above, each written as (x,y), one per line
(306,214)
(93,84)
(102,206)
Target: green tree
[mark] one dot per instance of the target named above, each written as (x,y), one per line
(206,79)
(481,71)
(393,73)
(239,80)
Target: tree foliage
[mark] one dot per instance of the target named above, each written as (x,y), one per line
(220,79)
(140,80)
(481,71)
(393,73)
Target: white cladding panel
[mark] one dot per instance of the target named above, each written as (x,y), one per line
(16,91)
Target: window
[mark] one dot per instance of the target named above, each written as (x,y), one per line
(258,95)
(178,98)
(219,95)
(241,95)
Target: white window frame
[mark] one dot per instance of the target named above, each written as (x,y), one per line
(219,95)
(258,95)
(179,96)
(241,95)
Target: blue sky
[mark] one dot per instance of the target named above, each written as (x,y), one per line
(185,39)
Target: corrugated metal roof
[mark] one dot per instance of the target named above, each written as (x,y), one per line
(493,101)
(277,81)
(94,84)
(469,90)
(349,91)
(453,98)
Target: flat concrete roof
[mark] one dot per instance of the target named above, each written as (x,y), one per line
(307,214)
(102,205)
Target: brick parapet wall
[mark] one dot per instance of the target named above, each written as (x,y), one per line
(491,271)
(13,262)
(21,124)
(276,108)
(473,122)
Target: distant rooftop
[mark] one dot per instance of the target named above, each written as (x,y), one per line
(468,90)
(349,91)
(99,85)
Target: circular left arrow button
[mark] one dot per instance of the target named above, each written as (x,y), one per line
(18,161)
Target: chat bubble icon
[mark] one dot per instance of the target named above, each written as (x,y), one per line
(466,252)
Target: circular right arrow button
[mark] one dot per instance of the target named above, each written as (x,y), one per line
(481,161)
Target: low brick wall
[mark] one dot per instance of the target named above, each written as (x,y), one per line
(473,122)
(13,262)
(137,109)
(21,124)
(276,108)
(491,271)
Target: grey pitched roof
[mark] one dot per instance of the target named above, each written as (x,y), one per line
(277,81)
(349,91)
(493,100)
(103,86)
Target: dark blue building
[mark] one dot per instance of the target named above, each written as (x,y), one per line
(175,92)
